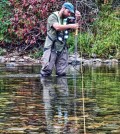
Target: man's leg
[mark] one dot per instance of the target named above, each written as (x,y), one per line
(62,63)
(48,62)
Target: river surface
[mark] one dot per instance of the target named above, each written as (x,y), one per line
(86,101)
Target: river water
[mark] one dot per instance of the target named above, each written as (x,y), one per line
(86,101)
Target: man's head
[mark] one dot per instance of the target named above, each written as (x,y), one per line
(68,9)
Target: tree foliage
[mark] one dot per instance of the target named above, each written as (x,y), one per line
(102,38)
(29,19)
(4,19)
(106,42)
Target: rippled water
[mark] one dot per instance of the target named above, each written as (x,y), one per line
(80,103)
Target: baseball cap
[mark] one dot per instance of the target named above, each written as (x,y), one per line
(69,6)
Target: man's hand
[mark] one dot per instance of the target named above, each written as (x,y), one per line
(74,26)
(77,15)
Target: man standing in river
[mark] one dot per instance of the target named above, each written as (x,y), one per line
(55,49)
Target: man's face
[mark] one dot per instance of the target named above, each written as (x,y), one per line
(66,13)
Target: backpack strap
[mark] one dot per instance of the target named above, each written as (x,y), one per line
(54,40)
(59,21)
(58,17)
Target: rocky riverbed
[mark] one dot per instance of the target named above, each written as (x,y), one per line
(14,60)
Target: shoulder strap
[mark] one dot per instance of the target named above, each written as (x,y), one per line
(58,17)
(59,21)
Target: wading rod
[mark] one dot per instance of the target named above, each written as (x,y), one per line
(76,36)
(82,80)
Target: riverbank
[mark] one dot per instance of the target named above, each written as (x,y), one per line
(16,60)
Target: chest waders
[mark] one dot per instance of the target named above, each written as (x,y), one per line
(54,57)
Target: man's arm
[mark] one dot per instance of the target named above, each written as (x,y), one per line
(59,27)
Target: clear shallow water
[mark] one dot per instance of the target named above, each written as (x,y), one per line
(76,104)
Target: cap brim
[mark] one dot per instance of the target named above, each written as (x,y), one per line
(72,11)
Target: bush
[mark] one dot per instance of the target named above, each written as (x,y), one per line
(102,38)
(29,20)
(5,13)
(106,41)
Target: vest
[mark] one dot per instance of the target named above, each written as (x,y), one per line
(61,35)
(60,41)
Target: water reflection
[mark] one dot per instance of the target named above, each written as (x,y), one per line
(55,97)
(76,104)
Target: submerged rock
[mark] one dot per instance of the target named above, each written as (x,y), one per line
(76,59)
(110,61)
(2,59)
(11,64)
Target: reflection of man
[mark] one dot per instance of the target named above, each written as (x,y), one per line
(55,92)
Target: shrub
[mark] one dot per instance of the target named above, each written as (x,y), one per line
(106,41)
(5,13)
(102,38)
